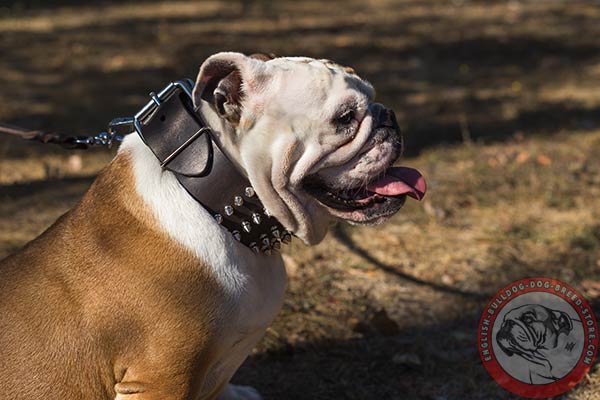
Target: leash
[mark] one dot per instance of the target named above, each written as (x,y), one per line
(117,128)
(65,141)
(174,131)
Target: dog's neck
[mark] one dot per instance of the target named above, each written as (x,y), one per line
(186,221)
(183,144)
(231,200)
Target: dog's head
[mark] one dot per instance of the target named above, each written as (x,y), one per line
(531,328)
(309,136)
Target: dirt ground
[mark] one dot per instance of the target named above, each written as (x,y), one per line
(500,105)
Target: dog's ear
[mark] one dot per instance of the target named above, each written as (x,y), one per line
(562,322)
(264,56)
(222,80)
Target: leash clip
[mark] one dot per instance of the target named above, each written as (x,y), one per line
(117,129)
(83,142)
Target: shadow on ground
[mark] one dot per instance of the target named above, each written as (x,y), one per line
(408,359)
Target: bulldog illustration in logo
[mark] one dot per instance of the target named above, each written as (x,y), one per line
(548,341)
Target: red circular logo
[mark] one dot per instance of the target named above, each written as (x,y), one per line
(537,337)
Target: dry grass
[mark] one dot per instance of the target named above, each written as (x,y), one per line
(370,313)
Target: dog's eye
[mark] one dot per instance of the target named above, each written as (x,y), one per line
(346,118)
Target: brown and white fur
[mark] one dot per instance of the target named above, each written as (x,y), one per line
(136,293)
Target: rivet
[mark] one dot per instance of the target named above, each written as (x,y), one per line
(238,201)
(266,212)
(286,237)
(267,251)
(218,218)
(228,210)
(236,235)
(254,247)
(256,218)
(249,191)
(246,225)
(154,98)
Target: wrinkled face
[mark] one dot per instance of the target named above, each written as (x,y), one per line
(532,327)
(311,139)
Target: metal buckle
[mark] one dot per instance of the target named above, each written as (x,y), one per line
(119,127)
(157,99)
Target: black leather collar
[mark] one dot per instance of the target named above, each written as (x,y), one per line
(182,143)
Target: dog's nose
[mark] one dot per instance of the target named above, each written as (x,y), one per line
(387,119)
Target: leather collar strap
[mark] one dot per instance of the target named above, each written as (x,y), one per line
(182,143)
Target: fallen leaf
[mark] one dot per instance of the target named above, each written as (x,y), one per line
(543,160)
(522,157)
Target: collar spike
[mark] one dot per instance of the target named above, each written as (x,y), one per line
(238,201)
(276,245)
(286,237)
(265,240)
(265,244)
(275,232)
(246,226)
(249,191)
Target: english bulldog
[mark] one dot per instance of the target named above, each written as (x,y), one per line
(549,342)
(139,292)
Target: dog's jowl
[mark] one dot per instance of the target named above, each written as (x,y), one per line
(159,282)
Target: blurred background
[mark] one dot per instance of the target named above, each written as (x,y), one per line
(499,102)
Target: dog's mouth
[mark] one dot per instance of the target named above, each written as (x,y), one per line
(381,197)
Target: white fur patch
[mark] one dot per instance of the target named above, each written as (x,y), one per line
(184,220)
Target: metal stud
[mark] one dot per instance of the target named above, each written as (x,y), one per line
(286,237)
(266,212)
(275,232)
(228,210)
(236,235)
(264,240)
(265,244)
(249,191)
(218,218)
(275,244)
(238,201)
(246,225)
(256,218)
(254,247)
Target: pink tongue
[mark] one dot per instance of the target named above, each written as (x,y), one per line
(398,181)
